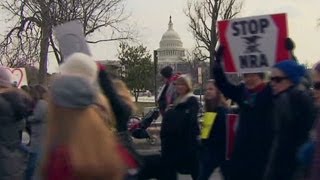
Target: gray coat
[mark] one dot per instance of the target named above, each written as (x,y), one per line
(294,116)
(12,159)
(37,122)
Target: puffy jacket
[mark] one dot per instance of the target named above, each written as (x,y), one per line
(37,122)
(12,112)
(294,117)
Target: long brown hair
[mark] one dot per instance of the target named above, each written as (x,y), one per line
(90,144)
(124,93)
(218,100)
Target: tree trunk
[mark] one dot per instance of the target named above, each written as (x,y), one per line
(46,32)
(44,47)
(136,96)
(211,64)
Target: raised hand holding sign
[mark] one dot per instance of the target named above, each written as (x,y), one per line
(253,44)
(71,38)
(219,54)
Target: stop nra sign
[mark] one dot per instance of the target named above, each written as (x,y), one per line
(253,44)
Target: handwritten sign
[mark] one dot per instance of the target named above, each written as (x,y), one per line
(18,76)
(71,38)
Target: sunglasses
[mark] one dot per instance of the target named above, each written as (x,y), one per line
(278,79)
(316,85)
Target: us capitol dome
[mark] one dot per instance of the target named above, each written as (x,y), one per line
(171,51)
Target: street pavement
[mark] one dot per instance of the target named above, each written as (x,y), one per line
(145,148)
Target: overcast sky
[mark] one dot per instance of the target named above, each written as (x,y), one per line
(151,18)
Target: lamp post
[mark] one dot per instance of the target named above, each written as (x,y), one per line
(200,81)
(155,61)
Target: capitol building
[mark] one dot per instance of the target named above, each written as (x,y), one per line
(171,51)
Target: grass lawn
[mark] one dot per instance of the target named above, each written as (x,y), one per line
(141,106)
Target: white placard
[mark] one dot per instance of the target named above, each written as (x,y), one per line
(71,38)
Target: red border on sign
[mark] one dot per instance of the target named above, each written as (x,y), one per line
(281,23)
(228,63)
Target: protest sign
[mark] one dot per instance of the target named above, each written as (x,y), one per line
(231,126)
(71,38)
(18,76)
(253,44)
(209,119)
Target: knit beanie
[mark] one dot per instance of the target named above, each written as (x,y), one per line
(80,64)
(187,79)
(292,70)
(5,77)
(71,91)
(166,72)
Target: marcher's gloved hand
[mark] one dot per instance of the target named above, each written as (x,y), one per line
(289,44)
(219,54)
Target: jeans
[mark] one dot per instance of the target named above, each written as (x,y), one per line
(32,165)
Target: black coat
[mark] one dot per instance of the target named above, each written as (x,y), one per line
(254,133)
(180,133)
(217,137)
(294,117)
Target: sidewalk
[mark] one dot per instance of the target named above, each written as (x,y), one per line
(144,148)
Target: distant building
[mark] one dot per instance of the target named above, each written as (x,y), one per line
(112,66)
(171,51)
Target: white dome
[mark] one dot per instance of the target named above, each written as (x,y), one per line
(171,47)
(170,35)
(170,39)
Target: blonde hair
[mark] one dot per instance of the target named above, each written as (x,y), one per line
(104,109)
(186,80)
(90,144)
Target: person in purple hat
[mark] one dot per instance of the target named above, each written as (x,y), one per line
(294,116)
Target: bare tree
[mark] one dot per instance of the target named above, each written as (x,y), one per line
(31,37)
(195,59)
(203,16)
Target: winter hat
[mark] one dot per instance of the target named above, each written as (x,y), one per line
(292,70)
(71,91)
(80,64)
(316,67)
(187,79)
(5,77)
(166,72)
